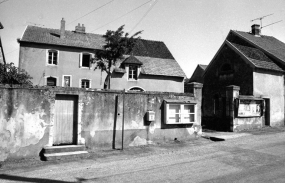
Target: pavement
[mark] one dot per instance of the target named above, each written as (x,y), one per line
(108,154)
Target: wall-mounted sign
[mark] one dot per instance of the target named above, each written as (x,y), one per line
(249,108)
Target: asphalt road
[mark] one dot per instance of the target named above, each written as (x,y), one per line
(251,158)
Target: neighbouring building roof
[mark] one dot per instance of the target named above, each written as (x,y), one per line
(257,57)
(267,43)
(154,55)
(203,66)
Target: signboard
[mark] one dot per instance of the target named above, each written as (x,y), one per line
(249,108)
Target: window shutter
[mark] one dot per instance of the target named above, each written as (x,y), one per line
(80,60)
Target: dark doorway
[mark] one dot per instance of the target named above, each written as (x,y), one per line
(267,112)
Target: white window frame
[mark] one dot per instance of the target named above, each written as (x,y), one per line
(80,82)
(182,120)
(81,59)
(47,56)
(52,77)
(128,72)
(69,81)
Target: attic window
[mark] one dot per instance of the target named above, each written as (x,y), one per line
(133,72)
(226,67)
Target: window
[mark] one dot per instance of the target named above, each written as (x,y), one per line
(133,72)
(52,57)
(66,81)
(181,113)
(85,83)
(51,81)
(85,60)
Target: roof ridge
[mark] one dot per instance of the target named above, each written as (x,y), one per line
(88,33)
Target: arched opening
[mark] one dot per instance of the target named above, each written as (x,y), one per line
(51,81)
(136,88)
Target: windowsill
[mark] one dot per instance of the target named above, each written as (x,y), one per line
(132,79)
(85,67)
(53,65)
(179,123)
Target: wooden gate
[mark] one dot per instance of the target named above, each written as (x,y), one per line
(65,123)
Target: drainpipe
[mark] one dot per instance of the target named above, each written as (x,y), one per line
(123,122)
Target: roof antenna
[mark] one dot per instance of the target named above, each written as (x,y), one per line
(271,24)
(260,18)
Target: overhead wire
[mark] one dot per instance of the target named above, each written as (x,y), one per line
(122,15)
(90,12)
(3,1)
(151,7)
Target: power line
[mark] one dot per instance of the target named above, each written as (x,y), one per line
(122,15)
(90,12)
(4,1)
(11,51)
(144,15)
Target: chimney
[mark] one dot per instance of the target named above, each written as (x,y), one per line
(255,29)
(62,28)
(80,29)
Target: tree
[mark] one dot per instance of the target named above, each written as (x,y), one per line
(10,74)
(117,45)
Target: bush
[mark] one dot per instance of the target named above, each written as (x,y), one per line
(10,74)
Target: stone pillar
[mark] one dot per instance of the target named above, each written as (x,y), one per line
(197,91)
(232,92)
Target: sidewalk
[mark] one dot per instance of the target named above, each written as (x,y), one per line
(108,154)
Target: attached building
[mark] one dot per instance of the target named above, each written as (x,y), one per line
(57,57)
(244,83)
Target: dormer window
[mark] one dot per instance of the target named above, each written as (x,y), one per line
(52,57)
(133,72)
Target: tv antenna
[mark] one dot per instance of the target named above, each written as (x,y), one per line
(260,18)
(271,24)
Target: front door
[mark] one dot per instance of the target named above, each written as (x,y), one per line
(65,123)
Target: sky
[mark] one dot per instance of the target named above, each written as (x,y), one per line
(193,30)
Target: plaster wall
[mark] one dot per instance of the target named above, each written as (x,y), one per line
(148,83)
(24,122)
(271,85)
(27,118)
(33,58)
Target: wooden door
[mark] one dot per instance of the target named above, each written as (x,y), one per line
(65,120)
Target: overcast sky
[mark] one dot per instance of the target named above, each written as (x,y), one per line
(193,30)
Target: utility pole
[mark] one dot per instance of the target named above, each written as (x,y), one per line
(2,50)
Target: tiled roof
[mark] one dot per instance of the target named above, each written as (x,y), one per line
(268,43)
(257,57)
(132,60)
(203,66)
(154,55)
(143,47)
(163,67)
(52,36)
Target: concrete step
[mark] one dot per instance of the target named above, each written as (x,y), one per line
(64,148)
(64,155)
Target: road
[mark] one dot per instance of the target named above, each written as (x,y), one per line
(253,158)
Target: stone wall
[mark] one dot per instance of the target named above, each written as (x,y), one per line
(27,118)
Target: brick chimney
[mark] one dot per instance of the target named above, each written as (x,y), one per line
(80,29)
(255,29)
(62,28)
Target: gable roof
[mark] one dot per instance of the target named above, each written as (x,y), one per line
(132,60)
(41,35)
(154,55)
(268,44)
(257,58)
